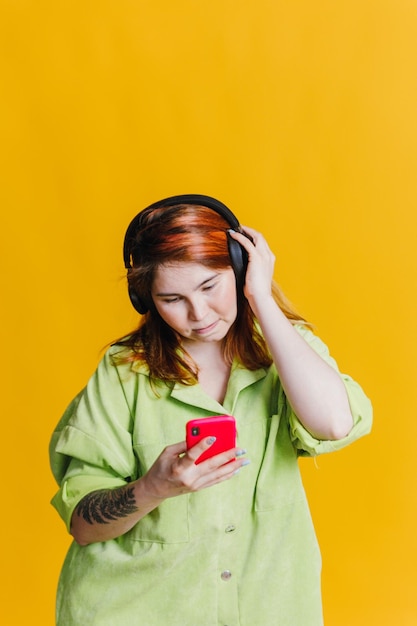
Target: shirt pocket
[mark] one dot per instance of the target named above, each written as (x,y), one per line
(169,522)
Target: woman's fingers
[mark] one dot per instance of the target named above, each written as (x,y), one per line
(260,268)
(215,469)
(194,453)
(176,472)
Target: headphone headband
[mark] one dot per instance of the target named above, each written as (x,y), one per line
(238,254)
(191,198)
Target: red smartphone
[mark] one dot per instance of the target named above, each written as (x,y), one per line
(223,427)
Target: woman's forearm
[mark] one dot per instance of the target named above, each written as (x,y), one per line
(109,513)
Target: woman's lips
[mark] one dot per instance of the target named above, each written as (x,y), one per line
(206,329)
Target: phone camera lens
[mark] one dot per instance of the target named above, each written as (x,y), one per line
(195,431)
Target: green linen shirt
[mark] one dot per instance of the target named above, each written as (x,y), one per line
(240,553)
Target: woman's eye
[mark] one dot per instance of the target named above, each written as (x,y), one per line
(169,300)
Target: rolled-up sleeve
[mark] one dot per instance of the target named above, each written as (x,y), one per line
(360,406)
(91,447)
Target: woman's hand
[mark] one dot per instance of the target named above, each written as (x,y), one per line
(175,471)
(260,270)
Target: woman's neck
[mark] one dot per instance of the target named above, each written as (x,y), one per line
(213,369)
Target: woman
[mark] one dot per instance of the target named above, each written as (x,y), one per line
(159,538)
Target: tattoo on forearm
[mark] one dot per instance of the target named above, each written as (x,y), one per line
(104,506)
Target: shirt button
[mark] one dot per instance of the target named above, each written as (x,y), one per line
(226,575)
(230,528)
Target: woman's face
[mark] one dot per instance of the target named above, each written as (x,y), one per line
(196,301)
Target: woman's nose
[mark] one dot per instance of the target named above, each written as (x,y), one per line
(197,308)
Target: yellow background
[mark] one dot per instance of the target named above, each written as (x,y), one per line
(302,117)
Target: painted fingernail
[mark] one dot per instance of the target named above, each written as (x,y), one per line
(211,440)
(245,462)
(241,452)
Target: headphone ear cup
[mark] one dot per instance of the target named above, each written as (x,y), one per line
(239,260)
(137,302)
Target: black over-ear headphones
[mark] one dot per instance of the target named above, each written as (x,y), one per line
(238,255)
